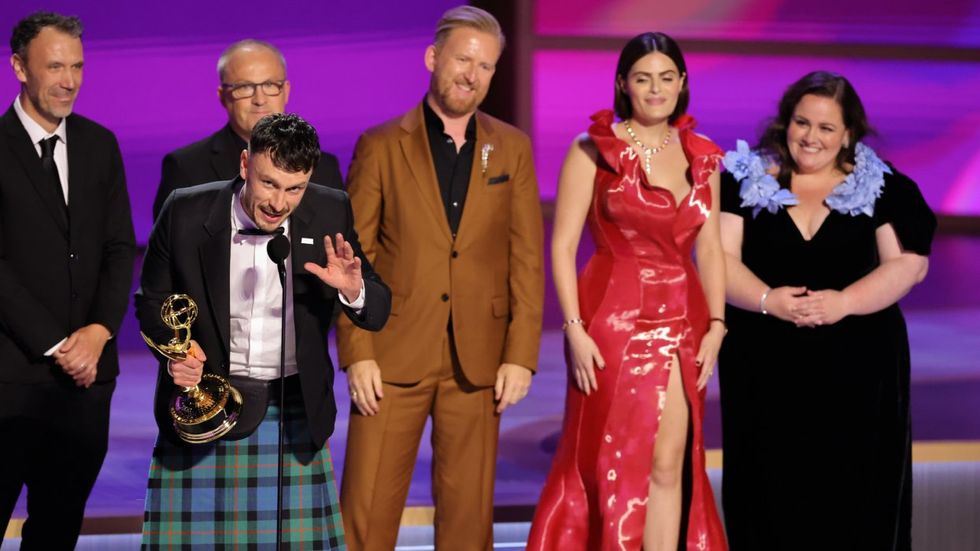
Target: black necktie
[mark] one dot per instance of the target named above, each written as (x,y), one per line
(258,231)
(49,166)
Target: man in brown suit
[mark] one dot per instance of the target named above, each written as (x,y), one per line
(467,291)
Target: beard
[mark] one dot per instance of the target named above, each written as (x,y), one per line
(443,92)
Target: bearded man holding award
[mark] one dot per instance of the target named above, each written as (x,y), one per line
(210,243)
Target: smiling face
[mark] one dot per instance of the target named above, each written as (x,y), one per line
(50,76)
(462,67)
(271,194)
(815,134)
(653,85)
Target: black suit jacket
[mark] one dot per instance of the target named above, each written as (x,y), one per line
(61,269)
(218,157)
(189,252)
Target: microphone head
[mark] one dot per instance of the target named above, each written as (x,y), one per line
(278,248)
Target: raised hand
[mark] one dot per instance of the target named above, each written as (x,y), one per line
(342,270)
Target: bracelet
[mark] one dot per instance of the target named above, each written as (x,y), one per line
(721,321)
(762,302)
(576,321)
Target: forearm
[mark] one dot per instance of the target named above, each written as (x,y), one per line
(742,287)
(885,285)
(25,319)
(711,269)
(566,280)
(118,254)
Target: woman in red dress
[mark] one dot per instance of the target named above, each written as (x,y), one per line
(643,325)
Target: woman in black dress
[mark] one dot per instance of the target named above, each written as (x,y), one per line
(822,239)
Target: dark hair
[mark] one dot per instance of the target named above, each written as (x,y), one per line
(29,27)
(818,83)
(291,142)
(639,46)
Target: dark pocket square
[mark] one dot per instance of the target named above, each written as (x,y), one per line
(499,179)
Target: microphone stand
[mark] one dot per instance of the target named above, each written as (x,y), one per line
(278,249)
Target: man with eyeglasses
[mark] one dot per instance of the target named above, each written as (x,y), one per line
(253,84)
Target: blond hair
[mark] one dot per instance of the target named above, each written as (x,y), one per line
(468,16)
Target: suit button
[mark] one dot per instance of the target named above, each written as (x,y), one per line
(74,296)
(455,254)
(445,297)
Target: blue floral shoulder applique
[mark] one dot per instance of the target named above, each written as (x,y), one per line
(856,195)
(862,187)
(759,190)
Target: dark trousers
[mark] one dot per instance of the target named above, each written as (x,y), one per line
(54,437)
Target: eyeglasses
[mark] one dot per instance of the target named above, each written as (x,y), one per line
(247,89)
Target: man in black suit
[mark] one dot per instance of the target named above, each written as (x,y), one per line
(253,84)
(210,243)
(66,266)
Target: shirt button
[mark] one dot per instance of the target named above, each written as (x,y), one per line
(71,256)
(445,297)
(455,204)
(455,254)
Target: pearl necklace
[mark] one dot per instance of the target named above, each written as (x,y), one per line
(647,151)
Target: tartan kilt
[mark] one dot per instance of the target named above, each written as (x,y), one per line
(223,494)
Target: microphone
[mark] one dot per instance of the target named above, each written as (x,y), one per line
(278,249)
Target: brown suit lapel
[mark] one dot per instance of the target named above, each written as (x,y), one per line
(418,157)
(476,192)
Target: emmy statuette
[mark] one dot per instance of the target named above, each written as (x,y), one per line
(202,413)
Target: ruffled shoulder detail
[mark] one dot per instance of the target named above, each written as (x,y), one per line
(610,147)
(759,189)
(858,192)
(855,196)
(702,154)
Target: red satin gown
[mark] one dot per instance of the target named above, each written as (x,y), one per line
(642,303)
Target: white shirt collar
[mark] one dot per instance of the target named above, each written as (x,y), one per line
(34,129)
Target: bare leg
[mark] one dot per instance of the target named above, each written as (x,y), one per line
(662,527)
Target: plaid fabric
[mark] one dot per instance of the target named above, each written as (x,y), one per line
(223,495)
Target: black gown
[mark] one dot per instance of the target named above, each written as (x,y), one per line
(817,446)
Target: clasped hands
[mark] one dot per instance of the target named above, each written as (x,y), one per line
(79,356)
(807,308)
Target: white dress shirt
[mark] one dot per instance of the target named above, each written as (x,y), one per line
(256,303)
(37,134)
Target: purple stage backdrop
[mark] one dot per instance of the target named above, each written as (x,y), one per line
(150,69)
(911,22)
(915,64)
(929,130)
(150,72)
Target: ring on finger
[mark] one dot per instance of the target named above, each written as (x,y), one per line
(353,394)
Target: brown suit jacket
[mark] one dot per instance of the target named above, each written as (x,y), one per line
(491,277)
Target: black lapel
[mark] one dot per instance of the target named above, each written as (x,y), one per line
(77,175)
(225,154)
(299,228)
(215,256)
(23,150)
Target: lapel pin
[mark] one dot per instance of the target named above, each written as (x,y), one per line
(306,240)
(485,156)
